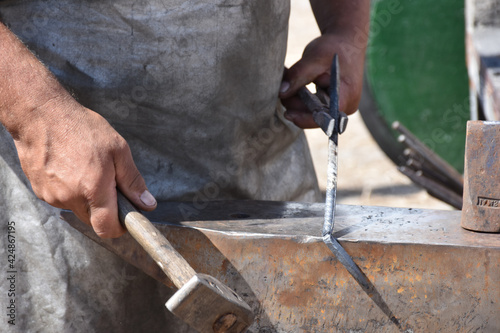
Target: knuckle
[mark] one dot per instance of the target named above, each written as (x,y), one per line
(60,198)
(90,190)
(121,144)
(136,180)
(104,224)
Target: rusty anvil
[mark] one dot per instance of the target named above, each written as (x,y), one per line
(434,275)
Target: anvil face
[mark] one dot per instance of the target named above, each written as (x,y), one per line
(433,275)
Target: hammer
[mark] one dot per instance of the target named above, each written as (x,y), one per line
(202,301)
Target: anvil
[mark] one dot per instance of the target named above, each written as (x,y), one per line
(432,274)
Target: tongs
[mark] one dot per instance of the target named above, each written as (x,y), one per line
(325,111)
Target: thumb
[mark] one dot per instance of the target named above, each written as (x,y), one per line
(131,183)
(299,75)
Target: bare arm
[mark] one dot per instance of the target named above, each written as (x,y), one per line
(72,157)
(344,30)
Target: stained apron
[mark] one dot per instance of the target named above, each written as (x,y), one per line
(192,86)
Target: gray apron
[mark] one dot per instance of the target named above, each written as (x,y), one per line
(192,86)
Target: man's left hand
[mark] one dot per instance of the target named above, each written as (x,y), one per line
(315,66)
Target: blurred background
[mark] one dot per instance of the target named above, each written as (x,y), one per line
(401,89)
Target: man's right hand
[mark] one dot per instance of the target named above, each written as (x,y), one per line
(71,155)
(75,160)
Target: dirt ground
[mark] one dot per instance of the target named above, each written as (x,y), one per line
(366,175)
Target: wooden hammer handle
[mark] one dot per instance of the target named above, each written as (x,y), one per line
(156,245)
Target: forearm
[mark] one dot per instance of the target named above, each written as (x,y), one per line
(25,86)
(342,16)
(347,21)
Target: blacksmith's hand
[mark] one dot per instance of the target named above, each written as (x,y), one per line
(75,160)
(344,27)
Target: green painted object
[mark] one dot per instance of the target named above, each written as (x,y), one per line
(416,71)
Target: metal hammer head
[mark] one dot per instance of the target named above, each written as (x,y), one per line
(209,306)
(481,208)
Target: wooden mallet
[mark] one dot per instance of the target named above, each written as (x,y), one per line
(202,301)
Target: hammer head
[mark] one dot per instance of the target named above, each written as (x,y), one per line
(209,306)
(481,208)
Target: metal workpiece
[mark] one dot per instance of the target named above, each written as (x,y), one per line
(481,209)
(433,275)
(337,123)
(331,189)
(332,167)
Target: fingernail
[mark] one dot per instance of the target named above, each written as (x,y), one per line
(148,199)
(285,85)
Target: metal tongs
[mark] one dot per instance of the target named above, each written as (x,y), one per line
(326,113)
